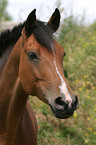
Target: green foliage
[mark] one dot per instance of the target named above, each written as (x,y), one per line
(80,64)
(79,42)
(4,16)
(93,26)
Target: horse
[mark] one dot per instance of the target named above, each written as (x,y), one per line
(31,63)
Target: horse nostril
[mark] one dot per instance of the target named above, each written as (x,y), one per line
(59,101)
(75,103)
(60,104)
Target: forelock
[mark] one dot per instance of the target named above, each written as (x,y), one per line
(43,35)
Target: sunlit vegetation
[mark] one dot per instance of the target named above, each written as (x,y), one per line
(79,43)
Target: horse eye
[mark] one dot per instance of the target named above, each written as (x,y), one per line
(32,56)
(64,54)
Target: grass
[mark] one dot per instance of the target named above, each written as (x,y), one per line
(80,64)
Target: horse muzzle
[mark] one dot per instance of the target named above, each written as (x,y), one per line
(64,109)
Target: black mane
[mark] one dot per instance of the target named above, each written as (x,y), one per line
(42,33)
(9,37)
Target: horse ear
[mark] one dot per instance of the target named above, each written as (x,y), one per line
(30,23)
(54,20)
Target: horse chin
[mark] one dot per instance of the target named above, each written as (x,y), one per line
(63,116)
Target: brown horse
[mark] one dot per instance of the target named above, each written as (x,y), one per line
(32,66)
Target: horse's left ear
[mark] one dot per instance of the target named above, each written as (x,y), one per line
(30,23)
(54,20)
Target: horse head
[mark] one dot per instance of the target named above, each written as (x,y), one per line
(41,66)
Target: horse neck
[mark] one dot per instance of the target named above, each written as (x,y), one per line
(15,111)
(12,96)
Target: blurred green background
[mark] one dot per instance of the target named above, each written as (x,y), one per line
(79,42)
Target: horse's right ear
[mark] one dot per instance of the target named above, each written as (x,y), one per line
(54,21)
(30,23)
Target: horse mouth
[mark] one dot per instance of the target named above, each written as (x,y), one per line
(62,114)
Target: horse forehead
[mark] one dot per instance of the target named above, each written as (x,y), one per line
(32,42)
